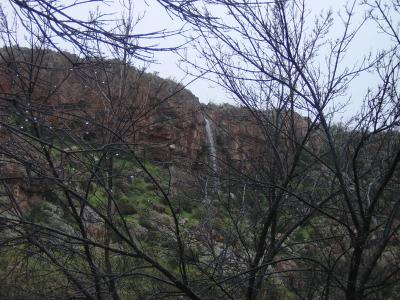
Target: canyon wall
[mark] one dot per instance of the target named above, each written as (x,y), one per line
(162,119)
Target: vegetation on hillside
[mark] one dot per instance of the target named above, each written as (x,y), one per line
(108,187)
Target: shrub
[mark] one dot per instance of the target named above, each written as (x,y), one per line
(127,206)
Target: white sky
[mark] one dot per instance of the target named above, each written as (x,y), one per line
(156,18)
(369,39)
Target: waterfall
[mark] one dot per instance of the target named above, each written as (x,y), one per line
(213,151)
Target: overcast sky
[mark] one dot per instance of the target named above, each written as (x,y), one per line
(369,39)
(156,18)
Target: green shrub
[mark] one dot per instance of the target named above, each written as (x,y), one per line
(39,213)
(98,197)
(126,206)
(145,222)
(183,203)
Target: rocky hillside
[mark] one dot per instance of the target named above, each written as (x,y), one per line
(164,120)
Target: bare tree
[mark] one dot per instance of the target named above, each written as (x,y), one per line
(334,184)
(303,207)
(55,22)
(79,155)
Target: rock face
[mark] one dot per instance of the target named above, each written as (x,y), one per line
(244,139)
(100,99)
(238,138)
(162,119)
(174,130)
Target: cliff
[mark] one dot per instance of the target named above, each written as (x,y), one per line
(92,98)
(107,102)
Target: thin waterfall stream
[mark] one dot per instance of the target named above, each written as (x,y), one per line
(212,152)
